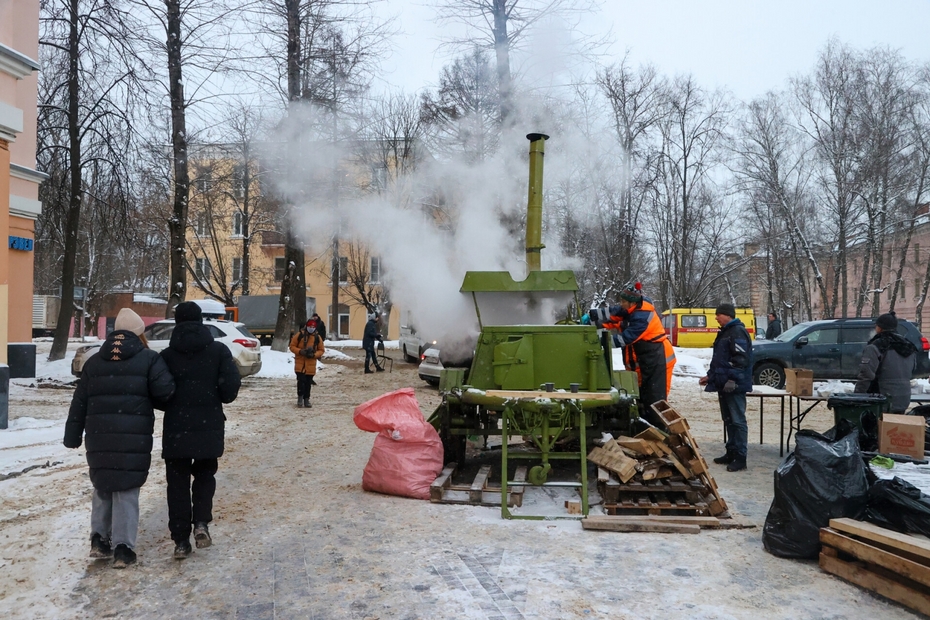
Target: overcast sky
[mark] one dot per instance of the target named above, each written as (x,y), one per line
(746,46)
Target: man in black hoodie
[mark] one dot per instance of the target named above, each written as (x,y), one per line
(887,364)
(206,377)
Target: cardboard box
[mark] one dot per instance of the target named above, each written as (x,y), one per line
(902,434)
(799,381)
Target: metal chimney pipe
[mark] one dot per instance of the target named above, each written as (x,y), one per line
(534,201)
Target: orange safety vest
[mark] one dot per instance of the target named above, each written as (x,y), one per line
(654,332)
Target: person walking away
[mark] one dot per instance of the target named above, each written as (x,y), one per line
(774,327)
(372,333)
(193,436)
(320,325)
(307,347)
(646,348)
(887,365)
(730,375)
(113,408)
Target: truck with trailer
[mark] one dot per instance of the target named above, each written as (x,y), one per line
(45,310)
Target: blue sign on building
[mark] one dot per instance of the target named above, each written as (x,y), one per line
(21,243)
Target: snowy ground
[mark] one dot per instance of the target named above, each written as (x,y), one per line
(296,537)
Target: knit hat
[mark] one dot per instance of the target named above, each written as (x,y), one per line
(726,309)
(311,324)
(634,294)
(888,322)
(372,316)
(188,311)
(129,321)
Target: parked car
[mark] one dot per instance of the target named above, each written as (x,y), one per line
(431,368)
(831,348)
(245,348)
(411,345)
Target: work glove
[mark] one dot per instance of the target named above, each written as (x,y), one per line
(729,386)
(585,319)
(306,352)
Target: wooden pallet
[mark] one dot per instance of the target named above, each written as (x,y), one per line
(891,564)
(665,496)
(478,493)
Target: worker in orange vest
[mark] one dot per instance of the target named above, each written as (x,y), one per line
(646,348)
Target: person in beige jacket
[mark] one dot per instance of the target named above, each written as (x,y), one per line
(307,347)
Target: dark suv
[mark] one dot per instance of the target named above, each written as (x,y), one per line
(831,348)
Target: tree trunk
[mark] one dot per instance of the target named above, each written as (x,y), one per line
(66,311)
(177,225)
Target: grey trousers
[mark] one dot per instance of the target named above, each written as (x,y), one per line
(115,516)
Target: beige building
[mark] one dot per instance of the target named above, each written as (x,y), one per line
(226,208)
(19,180)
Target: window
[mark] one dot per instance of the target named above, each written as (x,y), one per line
(279,265)
(343,270)
(378,177)
(202,225)
(236,270)
(375,270)
(343,319)
(203,269)
(889,257)
(238,181)
(857,335)
(916,252)
(693,320)
(918,287)
(238,224)
(823,336)
(204,180)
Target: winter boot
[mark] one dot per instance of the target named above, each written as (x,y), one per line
(726,459)
(202,535)
(307,403)
(368,371)
(300,402)
(100,547)
(123,556)
(182,550)
(379,368)
(738,464)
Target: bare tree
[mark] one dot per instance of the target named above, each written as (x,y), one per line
(84,118)
(690,223)
(501,26)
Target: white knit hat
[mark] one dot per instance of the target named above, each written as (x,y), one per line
(129,321)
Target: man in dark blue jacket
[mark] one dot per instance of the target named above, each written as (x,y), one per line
(372,333)
(193,439)
(730,375)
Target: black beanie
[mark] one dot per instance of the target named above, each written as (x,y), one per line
(188,311)
(888,322)
(727,309)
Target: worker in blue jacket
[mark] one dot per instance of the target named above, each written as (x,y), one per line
(730,375)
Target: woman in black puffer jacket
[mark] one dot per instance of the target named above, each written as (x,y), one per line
(112,406)
(193,437)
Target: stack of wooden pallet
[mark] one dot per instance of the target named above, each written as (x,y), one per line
(654,473)
(894,565)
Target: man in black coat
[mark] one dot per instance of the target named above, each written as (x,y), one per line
(774,328)
(371,334)
(113,407)
(192,441)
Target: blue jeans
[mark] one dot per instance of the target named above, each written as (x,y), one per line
(733,412)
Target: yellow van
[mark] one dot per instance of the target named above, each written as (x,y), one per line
(697,327)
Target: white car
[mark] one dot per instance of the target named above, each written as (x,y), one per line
(411,345)
(431,368)
(245,348)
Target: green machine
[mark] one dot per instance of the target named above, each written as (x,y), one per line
(551,383)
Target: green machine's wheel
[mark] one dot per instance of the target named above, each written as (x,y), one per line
(539,474)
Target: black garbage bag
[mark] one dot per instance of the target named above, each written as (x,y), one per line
(898,505)
(822,479)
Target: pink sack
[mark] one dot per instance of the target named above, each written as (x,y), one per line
(407,455)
